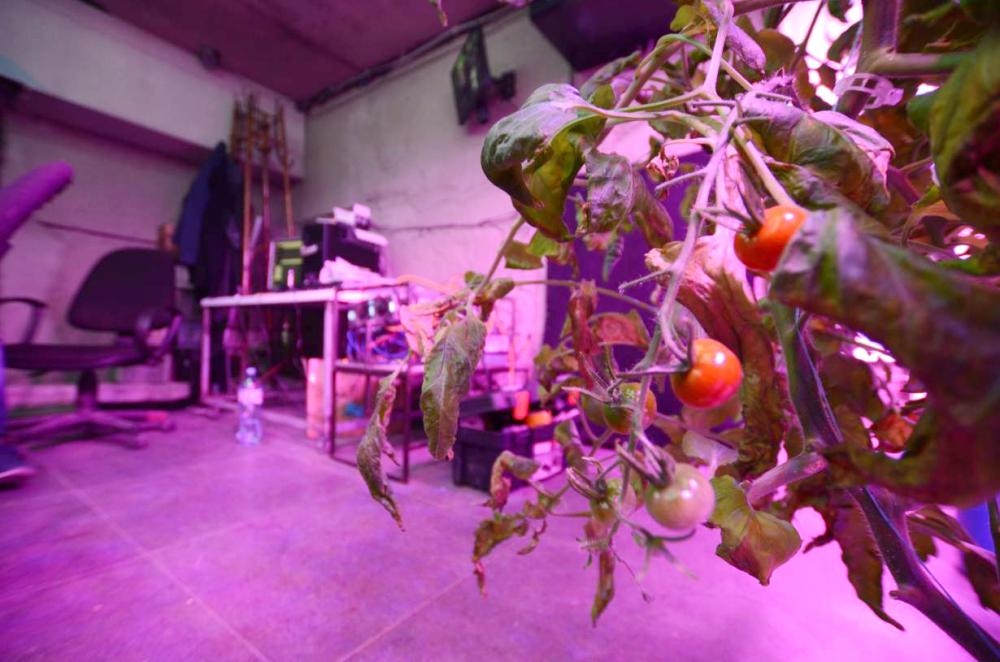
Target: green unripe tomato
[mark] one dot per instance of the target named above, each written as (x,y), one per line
(684,503)
(617,415)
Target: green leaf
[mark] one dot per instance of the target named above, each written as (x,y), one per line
(500,484)
(375,442)
(684,16)
(568,438)
(650,216)
(965,137)
(859,553)
(840,45)
(605,584)
(553,363)
(943,326)
(755,542)
(620,329)
(849,382)
(778,49)
(617,193)
(981,570)
(581,306)
(599,88)
(980,564)
(497,289)
(612,255)
(442,16)
(490,533)
(839,8)
(542,246)
(919,110)
(535,153)
(518,255)
(826,147)
(447,376)
(610,190)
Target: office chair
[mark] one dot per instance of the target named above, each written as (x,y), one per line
(129,292)
(18,200)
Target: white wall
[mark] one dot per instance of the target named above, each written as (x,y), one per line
(128,85)
(82,56)
(116,189)
(397,147)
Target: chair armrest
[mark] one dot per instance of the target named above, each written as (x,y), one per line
(36,315)
(144,324)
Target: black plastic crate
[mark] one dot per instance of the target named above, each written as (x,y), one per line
(477,450)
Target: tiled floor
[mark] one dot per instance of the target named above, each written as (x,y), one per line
(198,549)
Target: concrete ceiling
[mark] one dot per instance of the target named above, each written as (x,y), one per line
(296,47)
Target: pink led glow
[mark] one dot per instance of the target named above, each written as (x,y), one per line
(870,351)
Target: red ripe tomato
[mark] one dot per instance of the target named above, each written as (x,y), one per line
(762,249)
(713,378)
(683,504)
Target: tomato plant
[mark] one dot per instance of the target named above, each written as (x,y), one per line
(714,375)
(685,502)
(761,247)
(868,357)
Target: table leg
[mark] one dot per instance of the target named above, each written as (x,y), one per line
(206,352)
(407,424)
(329,366)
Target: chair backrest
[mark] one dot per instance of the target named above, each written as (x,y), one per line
(123,285)
(20,198)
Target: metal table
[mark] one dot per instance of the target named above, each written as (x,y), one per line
(329,297)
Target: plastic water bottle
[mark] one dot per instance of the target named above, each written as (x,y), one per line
(249,398)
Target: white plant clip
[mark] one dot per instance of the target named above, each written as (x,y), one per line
(880,92)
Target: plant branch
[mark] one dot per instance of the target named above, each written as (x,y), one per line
(600,290)
(879,32)
(915,65)
(991,506)
(499,256)
(801,51)
(746,6)
(767,178)
(712,73)
(914,586)
(647,67)
(889,531)
(800,467)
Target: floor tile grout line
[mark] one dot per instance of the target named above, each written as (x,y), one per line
(402,619)
(31,589)
(147,555)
